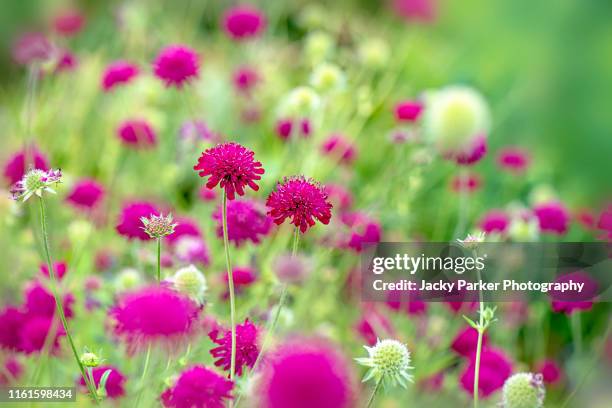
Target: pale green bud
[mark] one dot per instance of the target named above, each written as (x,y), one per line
(523,390)
(89,359)
(191,282)
(374,53)
(327,77)
(319,45)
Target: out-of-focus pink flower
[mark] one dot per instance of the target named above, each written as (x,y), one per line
(104,260)
(291,269)
(12,320)
(14,169)
(39,301)
(495,368)
(69,23)
(176,65)
(571,301)
(245,79)
(243,277)
(200,387)
(494,221)
(411,303)
(300,199)
(115,383)
(364,230)
(433,383)
(184,227)
(466,340)
(243,22)
(340,197)
(339,147)
(85,194)
(373,325)
(306,374)
(35,331)
(473,155)
(550,370)
(286,127)
(130,224)
(31,47)
(154,315)
(466,182)
(12,371)
(513,159)
(137,134)
(553,217)
(247,347)
(424,11)
(586,218)
(605,223)
(118,73)
(192,250)
(59,268)
(246,221)
(66,61)
(206,194)
(408,111)
(196,130)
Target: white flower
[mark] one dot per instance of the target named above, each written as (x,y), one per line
(35,182)
(389,361)
(191,282)
(472,241)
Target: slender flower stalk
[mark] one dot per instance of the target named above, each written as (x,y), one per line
(230,283)
(376,387)
(157,227)
(158,260)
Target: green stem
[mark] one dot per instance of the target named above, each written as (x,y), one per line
(577,332)
(58,301)
(376,387)
(158,260)
(143,376)
(230,283)
(481,331)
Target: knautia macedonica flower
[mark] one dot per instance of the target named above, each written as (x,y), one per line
(115,382)
(200,387)
(158,226)
(523,390)
(130,224)
(191,282)
(118,73)
(85,194)
(247,346)
(153,315)
(300,199)
(243,22)
(35,182)
(89,359)
(246,221)
(15,167)
(176,65)
(389,361)
(408,110)
(231,166)
(495,368)
(137,134)
(472,240)
(69,22)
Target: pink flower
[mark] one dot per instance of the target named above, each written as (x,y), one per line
(66,61)
(13,368)
(59,268)
(137,133)
(196,130)
(364,230)
(495,368)
(130,225)
(408,111)
(570,301)
(246,221)
(550,370)
(198,387)
(39,301)
(466,340)
(339,147)
(495,221)
(306,374)
(192,250)
(11,321)
(245,79)
(416,10)
(114,384)
(466,182)
(553,217)
(291,269)
(340,197)
(605,223)
(247,347)
(35,331)
(243,277)
(176,65)
(104,260)
(373,325)
(14,169)
(69,23)
(31,47)
(207,195)
(513,159)
(231,166)
(118,73)
(153,315)
(285,128)
(473,155)
(243,22)
(303,200)
(86,194)
(185,227)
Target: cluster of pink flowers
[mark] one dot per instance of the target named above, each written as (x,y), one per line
(246,221)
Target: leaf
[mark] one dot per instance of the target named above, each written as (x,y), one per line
(470,322)
(102,383)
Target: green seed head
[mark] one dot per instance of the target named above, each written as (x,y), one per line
(158,226)
(191,282)
(523,390)
(90,359)
(33,180)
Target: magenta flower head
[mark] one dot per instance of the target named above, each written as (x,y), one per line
(246,221)
(247,346)
(550,370)
(59,268)
(287,127)
(137,134)
(243,22)
(130,225)
(32,47)
(364,231)
(35,331)
(303,200)
(114,384)
(12,320)
(305,373)
(339,196)
(495,221)
(408,111)
(185,227)
(416,10)
(513,159)
(85,194)
(15,167)
(231,166)
(39,301)
(66,61)
(244,277)
(472,154)
(176,65)
(118,73)
(153,315)
(495,368)
(198,387)
(245,79)
(469,183)
(571,301)
(339,147)
(465,342)
(69,23)
(553,217)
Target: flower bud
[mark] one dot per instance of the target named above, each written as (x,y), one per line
(388,360)
(327,77)
(523,390)
(318,47)
(301,102)
(127,279)
(374,53)
(191,282)
(90,359)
